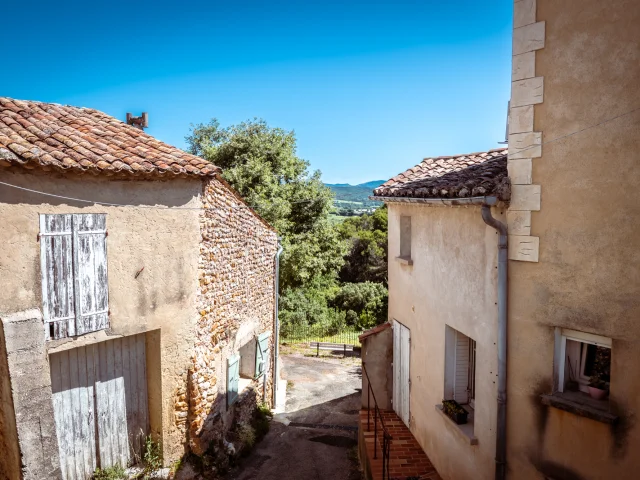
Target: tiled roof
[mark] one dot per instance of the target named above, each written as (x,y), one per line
(459,176)
(47,135)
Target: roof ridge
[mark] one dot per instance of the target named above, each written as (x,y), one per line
(444,157)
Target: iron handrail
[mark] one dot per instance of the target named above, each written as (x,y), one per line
(386,436)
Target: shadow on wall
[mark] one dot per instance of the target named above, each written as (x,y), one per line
(170,192)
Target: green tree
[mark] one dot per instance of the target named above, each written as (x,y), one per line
(366,260)
(261,163)
(365,303)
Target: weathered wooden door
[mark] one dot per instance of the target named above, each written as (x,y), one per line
(100,405)
(401,379)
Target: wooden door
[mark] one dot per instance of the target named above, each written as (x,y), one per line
(401,370)
(100,405)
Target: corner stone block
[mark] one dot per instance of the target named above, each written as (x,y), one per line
(525,197)
(523,248)
(528,38)
(524,12)
(525,145)
(527,92)
(519,223)
(523,66)
(520,171)
(521,119)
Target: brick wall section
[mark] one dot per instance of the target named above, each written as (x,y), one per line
(235,299)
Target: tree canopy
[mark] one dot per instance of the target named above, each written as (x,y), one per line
(262,164)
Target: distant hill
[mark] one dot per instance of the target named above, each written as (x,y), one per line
(355,197)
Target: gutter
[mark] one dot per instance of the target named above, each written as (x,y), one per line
(439,201)
(276,342)
(486,203)
(501,423)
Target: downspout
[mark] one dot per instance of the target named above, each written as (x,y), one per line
(276,342)
(501,426)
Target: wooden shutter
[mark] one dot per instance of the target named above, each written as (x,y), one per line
(233,378)
(461,369)
(90,272)
(262,353)
(56,261)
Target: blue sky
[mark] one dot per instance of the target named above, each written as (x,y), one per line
(370,88)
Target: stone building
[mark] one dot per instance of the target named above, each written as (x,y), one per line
(137,296)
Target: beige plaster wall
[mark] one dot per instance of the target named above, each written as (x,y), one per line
(453,281)
(588,276)
(163,241)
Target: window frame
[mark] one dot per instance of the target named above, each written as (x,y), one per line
(561,337)
(78,226)
(405,239)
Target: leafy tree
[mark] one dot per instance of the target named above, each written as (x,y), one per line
(367,256)
(365,303)
(261,163)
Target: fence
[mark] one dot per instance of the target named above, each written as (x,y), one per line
(320,333)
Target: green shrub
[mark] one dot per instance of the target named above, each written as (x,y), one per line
(112,473)
(152,457)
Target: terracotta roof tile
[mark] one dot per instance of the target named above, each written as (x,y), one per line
(458,176)
(84,139)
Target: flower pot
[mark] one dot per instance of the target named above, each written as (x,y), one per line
(597,393)
(455,411)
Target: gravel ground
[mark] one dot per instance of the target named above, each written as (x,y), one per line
(316,437)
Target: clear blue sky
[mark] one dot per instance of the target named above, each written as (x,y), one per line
(370,88)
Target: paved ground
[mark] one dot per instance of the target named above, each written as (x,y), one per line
(316,437)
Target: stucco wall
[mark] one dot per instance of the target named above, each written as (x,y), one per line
(166,242)
(453,281)
(377,356)
(587,276)
(10,458)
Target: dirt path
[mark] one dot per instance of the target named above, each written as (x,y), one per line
(316,436)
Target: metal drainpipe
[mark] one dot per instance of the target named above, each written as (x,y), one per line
(501,426)
(276,343)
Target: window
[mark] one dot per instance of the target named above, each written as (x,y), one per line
(250,363)
(460,366)
(460,376)
(582,358)
(73,260)
(405,240)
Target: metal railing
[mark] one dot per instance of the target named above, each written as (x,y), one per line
(386,436)
(320,333)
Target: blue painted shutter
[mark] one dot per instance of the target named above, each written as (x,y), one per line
(262,353)
(233,378)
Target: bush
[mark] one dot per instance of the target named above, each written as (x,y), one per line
(112,473)
(365,303)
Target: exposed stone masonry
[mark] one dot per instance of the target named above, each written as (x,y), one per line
(236,290)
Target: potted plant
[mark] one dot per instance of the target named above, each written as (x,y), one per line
(454,411)
(597,387)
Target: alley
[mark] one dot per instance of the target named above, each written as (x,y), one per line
(316,436)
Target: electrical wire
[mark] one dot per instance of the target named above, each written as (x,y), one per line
(295,201)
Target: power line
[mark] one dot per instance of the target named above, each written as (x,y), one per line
(579,131)
(295,201)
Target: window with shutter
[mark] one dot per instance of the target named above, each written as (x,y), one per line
(73,254)
(233,378)
(460,367)
(262,353)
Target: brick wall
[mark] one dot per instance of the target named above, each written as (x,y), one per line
(235,299)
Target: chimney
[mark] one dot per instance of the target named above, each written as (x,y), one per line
(138,122)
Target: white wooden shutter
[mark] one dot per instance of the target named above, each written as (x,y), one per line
(401,379)
(262,353)
(56,262)
(461,369)
(90,272)
(233,378)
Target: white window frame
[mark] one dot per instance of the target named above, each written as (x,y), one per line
(561,337)
(450,374)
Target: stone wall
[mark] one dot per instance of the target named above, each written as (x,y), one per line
(235,303)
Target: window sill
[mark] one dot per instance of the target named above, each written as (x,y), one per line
(465,431)
(581,404)
(404,260)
